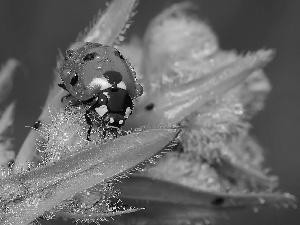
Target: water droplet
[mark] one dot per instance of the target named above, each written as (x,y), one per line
(285,205)
(67,71)
(206,221)
(99,67)
(262,201)
(255,209)
(98,174)
(238,109)
(121,38)
(98,57)
(209,47)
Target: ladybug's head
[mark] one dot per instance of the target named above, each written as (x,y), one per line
(114,105)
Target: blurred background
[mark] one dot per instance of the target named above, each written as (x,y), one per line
(33,31)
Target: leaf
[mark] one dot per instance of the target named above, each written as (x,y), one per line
(172,105)
(7,118)
(6,152)
(27,196)
(175,36)
(140,187)
(168,201)
(255,178)
(111,24)
(6,78)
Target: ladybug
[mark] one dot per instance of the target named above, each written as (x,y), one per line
(100,77)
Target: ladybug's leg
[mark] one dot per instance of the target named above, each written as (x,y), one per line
(90,123)
(63,99)
(93,103)
(70,100)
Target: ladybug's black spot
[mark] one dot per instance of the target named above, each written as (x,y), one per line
(113,77)
(90,56)
(218,201)
(149,107)
(74,79)
(118,54)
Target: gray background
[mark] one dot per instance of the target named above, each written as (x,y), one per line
(32,31)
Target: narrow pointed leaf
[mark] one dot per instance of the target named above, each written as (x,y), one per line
(140,187)
(27,196)
(91,216)
(7,118)
(161,213)
(110,25)
(6,77)
(173,105)
(6,152)
(170,203)
(255,178)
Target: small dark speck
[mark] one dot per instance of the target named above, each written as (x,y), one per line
(149,107)
(37,124)
(218,201)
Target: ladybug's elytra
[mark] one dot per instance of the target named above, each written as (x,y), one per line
(101,77)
